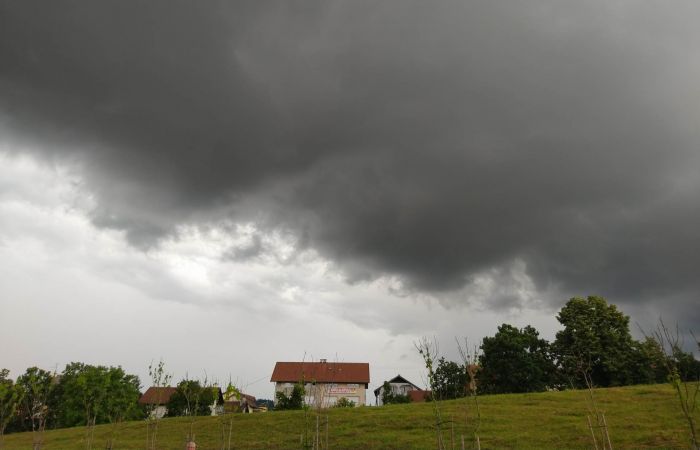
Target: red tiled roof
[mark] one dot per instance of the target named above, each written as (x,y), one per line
(248,398)
(417,395)
(321,372)
(157,395)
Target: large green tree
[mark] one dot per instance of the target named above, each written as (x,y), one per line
(191,399)
(596,341)
(449,380)
(121,401)
(515,360)
(88,395)
(36,385)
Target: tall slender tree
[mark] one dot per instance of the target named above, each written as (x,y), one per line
(36,385)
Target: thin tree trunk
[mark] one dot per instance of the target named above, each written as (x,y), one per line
(230,428)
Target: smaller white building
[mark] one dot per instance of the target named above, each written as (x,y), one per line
(399,386)
(157,398)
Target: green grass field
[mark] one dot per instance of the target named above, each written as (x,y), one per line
(637,417)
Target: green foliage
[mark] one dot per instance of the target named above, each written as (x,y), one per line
(36,385)
(398,398)
(192,399)
(387,393)
(648,362)
(121,401)
(515,361)
(78,391)
(344,403)
(450,380)
(389,397)
(232,391)
(11,396)
(595,339)
(89,394)
(294,401)
(688,366)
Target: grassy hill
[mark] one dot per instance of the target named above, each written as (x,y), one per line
(637,417)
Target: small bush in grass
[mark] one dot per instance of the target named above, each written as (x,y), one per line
(344,403)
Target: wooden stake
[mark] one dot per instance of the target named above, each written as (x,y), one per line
(607,435)
(590,427)
(318,440)
(230,427)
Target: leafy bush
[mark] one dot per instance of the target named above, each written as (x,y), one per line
(191,399)
(294,401)
(344,403)
(389,397)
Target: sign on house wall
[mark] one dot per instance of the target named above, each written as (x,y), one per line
(349,389)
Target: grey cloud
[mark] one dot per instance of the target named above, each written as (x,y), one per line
(246,252)
(425,141)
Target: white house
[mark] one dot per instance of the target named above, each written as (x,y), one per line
(157,398)
(324,382)
(400,386)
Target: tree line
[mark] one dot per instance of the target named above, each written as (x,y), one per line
(80,395)
(594,347)
(89,395)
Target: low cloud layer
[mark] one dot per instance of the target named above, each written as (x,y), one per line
(553,145)
(76,292)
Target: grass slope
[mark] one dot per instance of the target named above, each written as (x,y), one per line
(637,416)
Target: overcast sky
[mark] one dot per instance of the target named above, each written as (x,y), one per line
(229,184)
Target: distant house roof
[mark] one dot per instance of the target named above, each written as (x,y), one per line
(321,372)
(247,403)
(418,395)
(400,379)
(244,397)
(157,395)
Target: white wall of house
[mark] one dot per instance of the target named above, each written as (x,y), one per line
(326,395)
(159,411)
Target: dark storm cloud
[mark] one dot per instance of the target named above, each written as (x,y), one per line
(429,141)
